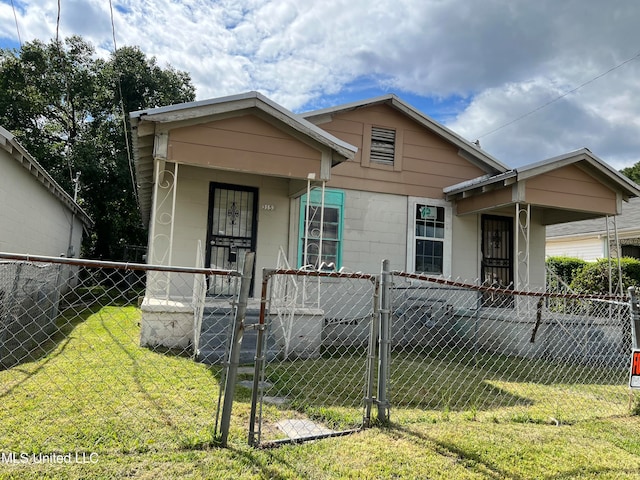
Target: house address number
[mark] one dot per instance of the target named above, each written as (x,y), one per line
(268,207)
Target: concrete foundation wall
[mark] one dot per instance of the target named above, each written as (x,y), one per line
(167,324)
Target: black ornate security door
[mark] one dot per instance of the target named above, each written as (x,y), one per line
(497,258)
(232,227)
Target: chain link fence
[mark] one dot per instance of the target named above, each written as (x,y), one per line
(103,357)
(29,299)
(506,355)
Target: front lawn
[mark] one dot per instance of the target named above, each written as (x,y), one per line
(151,414)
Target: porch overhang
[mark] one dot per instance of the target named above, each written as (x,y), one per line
(152,131)
(571,187)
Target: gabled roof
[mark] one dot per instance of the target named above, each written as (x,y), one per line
(244,101)
(588,189)
(583,158)
(143,125)
(9,143)
(588,162)
(468,150)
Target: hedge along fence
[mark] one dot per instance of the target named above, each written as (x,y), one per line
(593,277)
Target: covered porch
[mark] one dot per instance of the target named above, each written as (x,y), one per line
(514,208)
(217,179)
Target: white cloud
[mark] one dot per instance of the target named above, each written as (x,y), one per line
(504,58)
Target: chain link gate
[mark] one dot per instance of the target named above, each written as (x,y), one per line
(314,371)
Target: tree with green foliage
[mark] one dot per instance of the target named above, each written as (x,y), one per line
(632,173)
(69,109)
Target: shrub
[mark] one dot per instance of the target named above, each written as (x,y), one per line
(594,277)
(565,267)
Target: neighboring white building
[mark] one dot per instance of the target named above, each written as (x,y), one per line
(590,240)
(37,216)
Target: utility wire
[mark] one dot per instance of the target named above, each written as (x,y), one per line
(65,74)
(124,113)
(568,92)
(58,22)
(15,17)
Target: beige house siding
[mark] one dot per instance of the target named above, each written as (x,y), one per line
(246,143)
(536,263)
(428,163)
(483,201)
(465,261)
(374,229)
(571,188)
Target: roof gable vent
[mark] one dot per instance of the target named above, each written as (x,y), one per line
(383,142)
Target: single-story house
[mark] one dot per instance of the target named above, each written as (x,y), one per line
(598,238)
(37,216)
(346,187)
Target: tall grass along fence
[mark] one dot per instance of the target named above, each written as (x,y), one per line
(103,357)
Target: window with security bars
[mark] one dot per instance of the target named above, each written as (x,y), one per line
(383,145)
(429,238)
(321,234)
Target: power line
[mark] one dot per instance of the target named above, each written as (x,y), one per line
(559,97)
(15,17)
(65,74)
(58,22)
(124,113)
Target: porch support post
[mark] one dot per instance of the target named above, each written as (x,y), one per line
(522,245)
(615,242)
(173,211)
(154,206)
(321,225)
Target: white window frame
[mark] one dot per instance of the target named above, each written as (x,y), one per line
(411,233)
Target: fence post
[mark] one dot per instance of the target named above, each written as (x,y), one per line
(259,360)
(635,318)
(371,354)
(385,343)
(236,344)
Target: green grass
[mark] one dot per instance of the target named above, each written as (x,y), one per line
(97,390)
(150,414)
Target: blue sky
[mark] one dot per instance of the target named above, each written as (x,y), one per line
(471,65)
